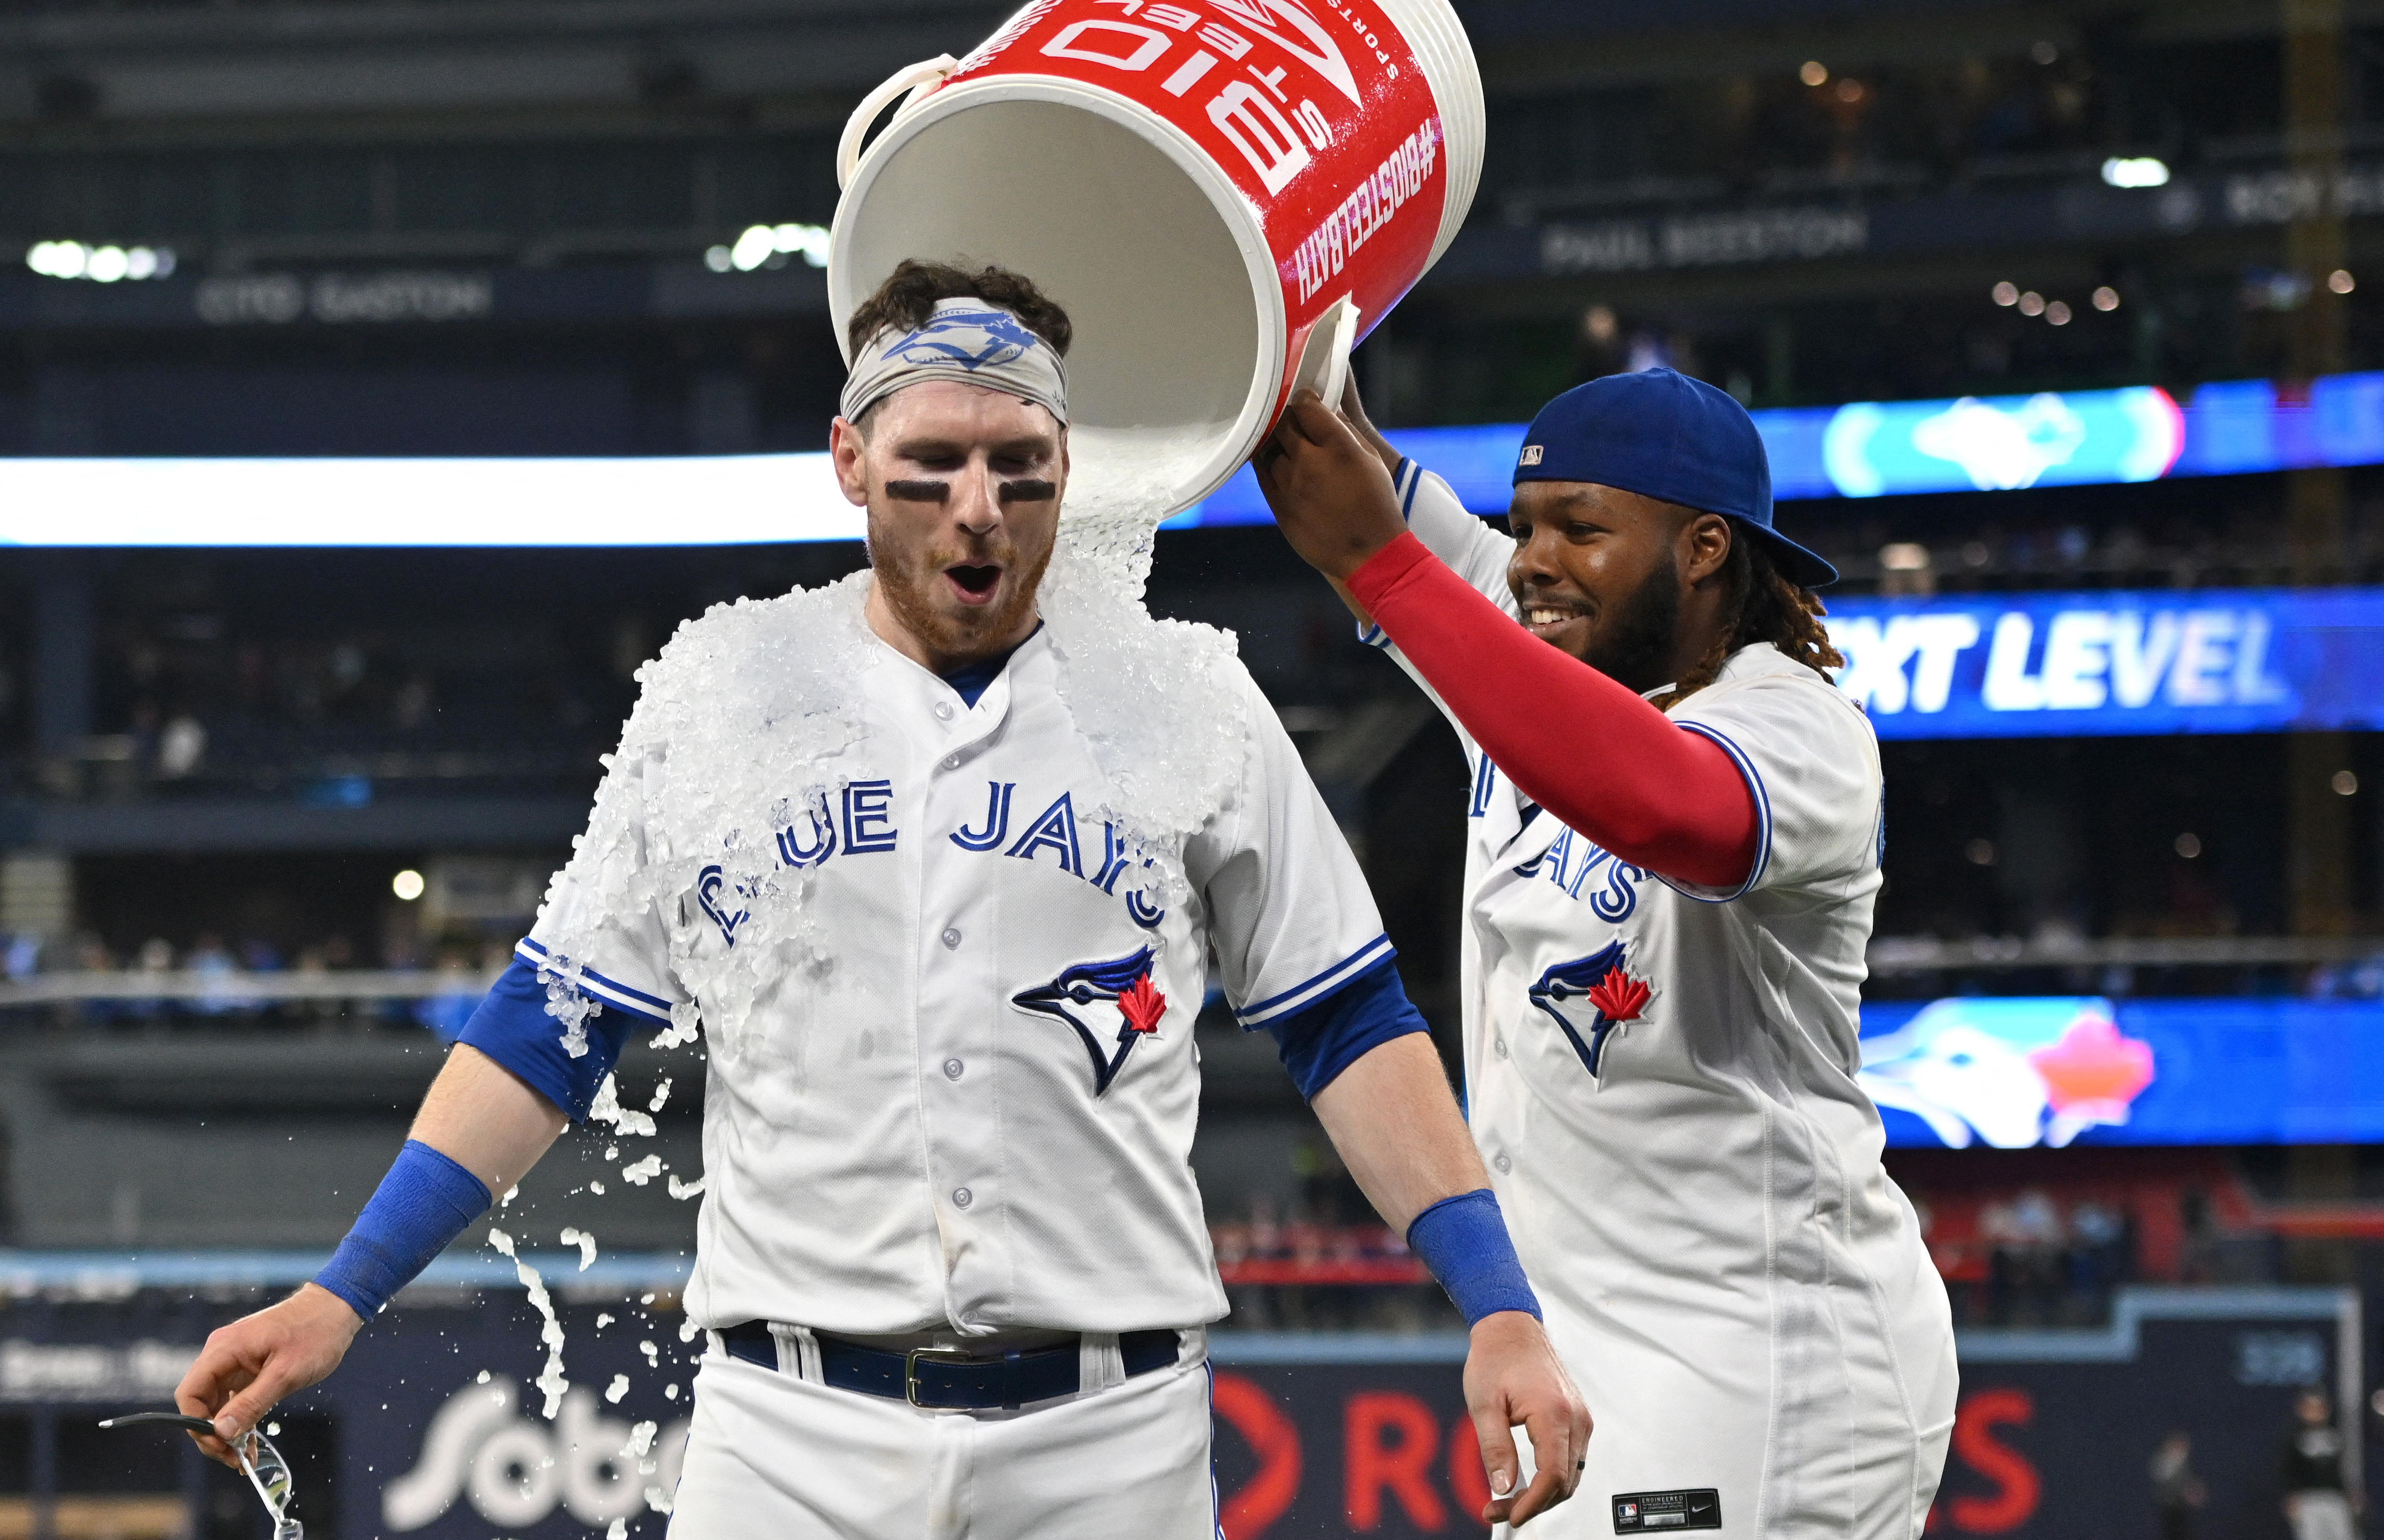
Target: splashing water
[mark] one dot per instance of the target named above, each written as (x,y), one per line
(573,1235)
(550,1379)
(607,1108)
(619,1389)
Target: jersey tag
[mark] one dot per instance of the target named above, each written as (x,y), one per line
(1693,1508)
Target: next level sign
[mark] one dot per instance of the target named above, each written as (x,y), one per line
(2084,665)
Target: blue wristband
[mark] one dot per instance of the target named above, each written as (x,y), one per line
(424,1203)
(1464,1241)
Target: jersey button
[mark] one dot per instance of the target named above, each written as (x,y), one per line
(943,711)
(952,762)
(963,1198)
(1498,1047)
(954,1069)
(951,936)
(1504,1166)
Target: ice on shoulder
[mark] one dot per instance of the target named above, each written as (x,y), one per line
(1161,703)
(748,725)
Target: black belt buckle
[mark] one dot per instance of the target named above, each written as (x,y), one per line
(934,1355)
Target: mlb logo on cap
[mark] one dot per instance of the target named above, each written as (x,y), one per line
(1530,455)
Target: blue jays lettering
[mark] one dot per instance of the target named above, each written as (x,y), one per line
(858,819)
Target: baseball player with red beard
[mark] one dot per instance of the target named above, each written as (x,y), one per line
(1675,833)
(952,1256)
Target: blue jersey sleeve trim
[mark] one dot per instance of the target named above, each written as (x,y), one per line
(1259,1013)
(601,987)
(1762,824)
(511,1027)
(1321,1039)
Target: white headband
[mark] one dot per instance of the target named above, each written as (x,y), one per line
(965,339)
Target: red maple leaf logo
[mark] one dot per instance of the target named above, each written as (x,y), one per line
(2094,1069)
(1142,1005)
(1618,996)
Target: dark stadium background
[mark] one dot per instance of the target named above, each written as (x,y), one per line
(352,769)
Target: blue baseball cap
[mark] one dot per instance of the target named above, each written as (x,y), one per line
(1663,435)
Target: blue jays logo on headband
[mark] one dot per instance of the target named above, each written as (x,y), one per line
(971,339)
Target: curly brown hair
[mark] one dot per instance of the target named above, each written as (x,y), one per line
(911,292)
(1760,603)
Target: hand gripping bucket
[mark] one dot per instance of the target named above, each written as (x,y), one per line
(1225,194)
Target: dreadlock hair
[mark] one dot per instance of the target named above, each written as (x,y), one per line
(910,294)
(1759,603)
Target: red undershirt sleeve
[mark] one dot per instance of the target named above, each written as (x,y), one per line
(1591,752)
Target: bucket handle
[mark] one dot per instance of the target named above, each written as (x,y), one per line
(918,79)
(1324,362)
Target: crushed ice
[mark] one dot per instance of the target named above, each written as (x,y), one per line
(749,720)
(574,1236)
(550,1379)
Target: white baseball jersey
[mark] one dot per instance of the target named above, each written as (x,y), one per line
(1661,1077)
(963,1096)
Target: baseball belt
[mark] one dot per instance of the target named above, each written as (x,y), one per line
(948,1379)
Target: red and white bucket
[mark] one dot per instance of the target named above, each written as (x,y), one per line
(1225,194)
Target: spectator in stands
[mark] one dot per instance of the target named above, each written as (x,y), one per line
(2319,1504)
(2176,1491)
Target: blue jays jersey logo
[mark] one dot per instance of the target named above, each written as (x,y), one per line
(714,893)
(972,339)
(1613,996)
(1073,995)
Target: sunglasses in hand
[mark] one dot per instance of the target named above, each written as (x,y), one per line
(266,1470)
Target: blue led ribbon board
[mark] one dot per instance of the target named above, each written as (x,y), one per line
(2012,1073)
(1863,449)
(1973,443)
(2114,662)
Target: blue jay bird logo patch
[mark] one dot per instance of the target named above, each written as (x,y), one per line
(1614,997)
(972,339)
(1079,989)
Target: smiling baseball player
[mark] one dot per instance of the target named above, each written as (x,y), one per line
(1674,845)
(951,1254)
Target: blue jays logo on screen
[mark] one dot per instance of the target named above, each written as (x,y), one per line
(972,339)
(1613,996)
(2001,444)
(1123,982)
(2007,1072)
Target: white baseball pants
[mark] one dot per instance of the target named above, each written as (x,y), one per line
(771,1456)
